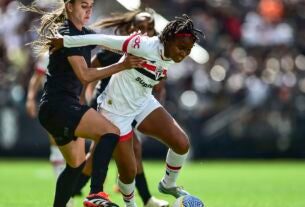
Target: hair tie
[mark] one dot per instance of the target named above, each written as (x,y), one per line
(184,35)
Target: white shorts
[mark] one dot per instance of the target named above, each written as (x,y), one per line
(124,122)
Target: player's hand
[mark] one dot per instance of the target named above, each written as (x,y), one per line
(56,43)
(31,108)
(131,61)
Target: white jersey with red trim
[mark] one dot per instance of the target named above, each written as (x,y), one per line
(128,91)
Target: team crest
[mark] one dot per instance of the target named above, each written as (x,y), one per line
(158,72)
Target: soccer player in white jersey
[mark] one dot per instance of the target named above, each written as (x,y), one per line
(128,97)
(124,24)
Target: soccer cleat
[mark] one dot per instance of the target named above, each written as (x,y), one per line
(176,191)
(100,199)
(154,202)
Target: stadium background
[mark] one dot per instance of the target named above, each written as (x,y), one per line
(247,101)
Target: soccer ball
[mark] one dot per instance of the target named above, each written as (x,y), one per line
(188,201)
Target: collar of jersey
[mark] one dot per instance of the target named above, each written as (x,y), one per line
(74,27)
(161,52)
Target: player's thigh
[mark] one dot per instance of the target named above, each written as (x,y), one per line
(74,152)
(161,125)
(123,123)
(125,160)
(93,125)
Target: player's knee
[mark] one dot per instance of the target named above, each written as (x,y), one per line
(75,162)
(111,129)
(108,130)
(182,145)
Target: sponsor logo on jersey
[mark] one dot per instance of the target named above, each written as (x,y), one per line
(142,82)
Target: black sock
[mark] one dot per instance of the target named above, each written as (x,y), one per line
(101,158)
(65,184)
(141,185)
(82,181)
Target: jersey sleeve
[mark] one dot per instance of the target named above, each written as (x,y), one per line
(135,44)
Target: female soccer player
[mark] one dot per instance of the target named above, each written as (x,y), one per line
(128,97)
(125,24)
(60,110)
(35,84)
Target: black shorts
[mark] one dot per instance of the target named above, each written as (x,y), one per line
(60,119)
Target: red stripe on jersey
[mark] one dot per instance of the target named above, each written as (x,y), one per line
(149,67)
(125,44)
(172,167)
(126,137)
(153,68)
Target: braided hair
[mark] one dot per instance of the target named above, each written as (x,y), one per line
(181,25)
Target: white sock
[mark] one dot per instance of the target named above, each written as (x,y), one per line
(57,160)
(127,191)
(174,163)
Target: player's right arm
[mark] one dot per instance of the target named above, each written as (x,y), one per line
(87,75)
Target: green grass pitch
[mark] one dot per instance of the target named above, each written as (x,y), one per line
(30,183)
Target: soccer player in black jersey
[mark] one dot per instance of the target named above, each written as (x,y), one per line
(60,110)
(35,85)
(126,24)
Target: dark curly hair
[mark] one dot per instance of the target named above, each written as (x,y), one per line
(179,25)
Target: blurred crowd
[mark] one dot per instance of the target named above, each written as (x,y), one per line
(250,94)
(246,100)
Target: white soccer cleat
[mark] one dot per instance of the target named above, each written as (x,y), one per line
(176,191)
(154,202)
